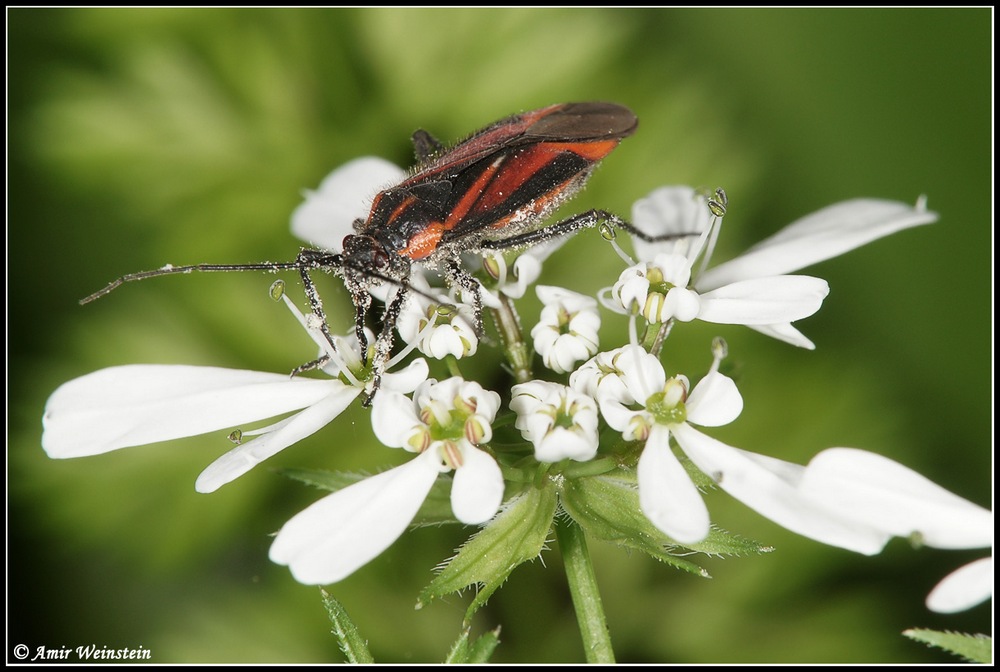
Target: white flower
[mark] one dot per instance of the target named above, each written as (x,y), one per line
(659,291)
(437,329)
(559,421)
(444,422)
(759,275)
(644,406)
(845,497)
(566,332)
(127,406)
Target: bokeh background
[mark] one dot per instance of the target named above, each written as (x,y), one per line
(139,137)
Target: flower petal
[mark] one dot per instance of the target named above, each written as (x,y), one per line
(816,237)
(784,332)
(393,418)
(245,457)
(345,195)
(964,588)
(407,379)
(337,535)
(641,372)
(144,403)
(477,491)
(873,489)
(714,401)
(678,210)
(769,486)
(783,298)
(667,496)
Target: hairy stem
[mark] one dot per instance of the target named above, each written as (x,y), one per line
(583,588)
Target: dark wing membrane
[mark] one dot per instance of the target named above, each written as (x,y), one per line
(584,121)
(566,122)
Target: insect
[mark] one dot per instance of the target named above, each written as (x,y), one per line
(488,192)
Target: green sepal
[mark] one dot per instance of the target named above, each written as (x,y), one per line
(479,651)
(607,507)
(974,648)
(517,534)
(348,638)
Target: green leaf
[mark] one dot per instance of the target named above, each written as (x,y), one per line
(479,651)
(974,648)
(517,534)
(324,480)
(724,542)
(607,507)
(348,638)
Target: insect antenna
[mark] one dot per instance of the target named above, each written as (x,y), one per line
(171,270)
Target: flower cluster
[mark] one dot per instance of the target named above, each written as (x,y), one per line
(620,442)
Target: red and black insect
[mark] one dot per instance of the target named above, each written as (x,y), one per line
(488,192)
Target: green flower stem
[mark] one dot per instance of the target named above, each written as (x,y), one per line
(583,588)
(508,325)
(655,335)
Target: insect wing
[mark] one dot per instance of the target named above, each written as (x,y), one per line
(536,171)
(566,122)
(511,172)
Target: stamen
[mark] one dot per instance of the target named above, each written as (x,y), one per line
(320,340)
(712,232)
(720,349)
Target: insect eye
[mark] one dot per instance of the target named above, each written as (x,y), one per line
(380,259)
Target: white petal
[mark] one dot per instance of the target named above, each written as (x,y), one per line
(620,417)
(784,332)
(572,301)
(393,418)
(768,486)
(345,195)
(133,405)
(642,372)
(666,494)
(714,401)
(821,235)
(875,490)
(406,380)
(671,210)
(337,535)
(477,491)
(964,588)
(564,443)
(681,303)
(525,270)
(675,268)
(245,457)
(783,298)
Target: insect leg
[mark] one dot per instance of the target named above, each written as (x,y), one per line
(318,363)
(585,220)
(467,282)
(307,260)
(383,344)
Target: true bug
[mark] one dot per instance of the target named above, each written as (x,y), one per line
(488,192)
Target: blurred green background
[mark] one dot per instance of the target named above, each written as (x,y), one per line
(139,137)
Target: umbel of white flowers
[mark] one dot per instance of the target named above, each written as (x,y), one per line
(845,497)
